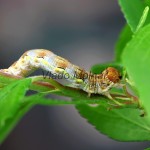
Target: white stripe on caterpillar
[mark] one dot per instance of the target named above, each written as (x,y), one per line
(79,78)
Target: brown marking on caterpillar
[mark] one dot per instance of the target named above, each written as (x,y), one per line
(61,62)
(43,53)
(83,74)
(80,73)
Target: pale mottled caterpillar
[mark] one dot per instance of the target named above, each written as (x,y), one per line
(46,60)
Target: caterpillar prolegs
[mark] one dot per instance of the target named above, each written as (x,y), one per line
(78,77)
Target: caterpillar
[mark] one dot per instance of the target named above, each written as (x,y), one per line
(79,78)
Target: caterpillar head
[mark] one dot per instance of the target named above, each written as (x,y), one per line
(112,75)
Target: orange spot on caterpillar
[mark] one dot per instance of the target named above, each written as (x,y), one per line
(61,62)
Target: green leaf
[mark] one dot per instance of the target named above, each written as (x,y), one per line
(124,38)
(147,2)
(133,10)
(11,123)
(147,149)
(143,18)
(39,83)
(10,97)
(126,33)
(10,100)
(18,104)
(119,124)
(136,59)
(40,99)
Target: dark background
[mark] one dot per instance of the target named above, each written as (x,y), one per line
(83,31)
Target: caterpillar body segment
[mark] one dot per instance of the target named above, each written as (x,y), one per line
(78,77)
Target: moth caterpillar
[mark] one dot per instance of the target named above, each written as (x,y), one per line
(78,77)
